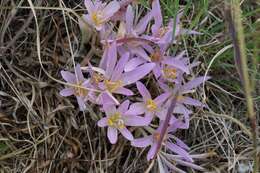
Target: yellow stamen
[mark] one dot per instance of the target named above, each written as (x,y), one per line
(112,86)
(96,78)
(180,97)
(79,90)
(116,121)
(97,18)
(169,72)
(151,105)
(162,31)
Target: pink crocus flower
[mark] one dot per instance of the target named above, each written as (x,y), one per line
(115,79)
(117,120)
(150,107)
(81,89)
(99,13)
(178,147)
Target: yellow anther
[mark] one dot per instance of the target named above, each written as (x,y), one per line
(112,86)
(116,121)
(151,105)
(96,78)
(156,56)
(97,18)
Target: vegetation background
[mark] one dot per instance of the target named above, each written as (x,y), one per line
(40,131)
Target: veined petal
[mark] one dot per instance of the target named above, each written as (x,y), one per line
(191,101)
(152,151)
(81,103)
(132,120)
(129,19)
(194,83)
(109,108)
(140,52)
(177,64)
(124,106)
(162,98)
(68,76)
(142,24)
(142,142)
(112,58)
(178,150)
(124,91)
(102,122)
(126,133)
(110,9)
(117,73)
(89,5)
(133,63)
(136,109)
(112,134)
(137,74)
(78,73)
(157,14)
(67,92)
(143,90)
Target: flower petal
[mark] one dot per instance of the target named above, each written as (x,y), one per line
(126,133)
(178,150)
(123,107)
(136,109)
(133,63)
(162,98)
(142,142)
(137,74)
(194,83)
(81,103)
(152,151)
(112,135)
(117,73)
(111,59)
(89,5)
(110,9)
(191,101)
(132,120)
(143,91)
(67,92)
(102,122)
(78,73)
(124,91)
(68,76)
(129,19)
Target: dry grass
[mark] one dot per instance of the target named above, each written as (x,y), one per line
(40,131)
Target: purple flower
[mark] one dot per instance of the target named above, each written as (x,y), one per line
(117,120)
(177,146)
(115,79)
(80,88)
(99,13)
(150,107)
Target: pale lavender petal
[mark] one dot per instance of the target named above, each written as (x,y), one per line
(126,133)
(152,151)
(67,92)
(112,134)
(112,58)
(81,103)
(181,144)
(148,117)
(191,101)
(110,9)
(133,63)
(89,5)
(129,19)
(194,83)
(140,52)
(141,26)
(117,73)
(109,109)
(124,106)
(78,73)
(104,59)
(156,9)
(124,91)
(189,165)
(178,150)
(135,109)
(157,71)
(162,98)
(102,122)
(132,120)
(68,76)
(143,91)
(137,74)
(142,142)
(179,64)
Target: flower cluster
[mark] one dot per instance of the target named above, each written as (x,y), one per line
(136,49)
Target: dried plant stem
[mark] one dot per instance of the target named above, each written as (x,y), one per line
(238,37)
